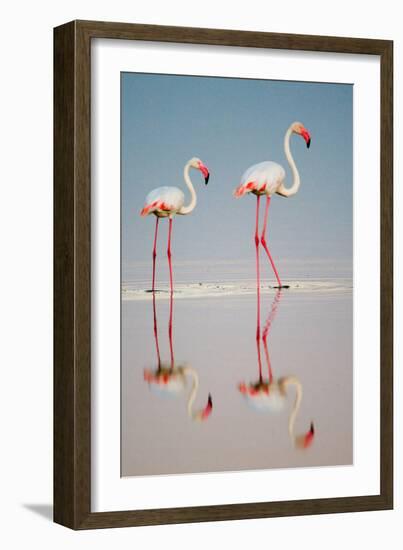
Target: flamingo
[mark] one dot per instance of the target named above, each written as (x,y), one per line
(267,178)
(270,395)
(166,202)
(169,379)
(174,381)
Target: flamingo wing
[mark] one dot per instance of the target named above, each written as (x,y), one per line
(163,199)
(265,402)
(264,177)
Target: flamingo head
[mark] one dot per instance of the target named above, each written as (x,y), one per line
(304,441)
(199,165)
(203,414)
(300,130)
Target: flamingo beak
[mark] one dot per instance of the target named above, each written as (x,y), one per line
(305,441)
(204,170)
(305,134)
(310,436)
(207,409)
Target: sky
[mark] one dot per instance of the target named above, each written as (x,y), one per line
(230,124)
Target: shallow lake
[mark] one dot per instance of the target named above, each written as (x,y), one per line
(309,339)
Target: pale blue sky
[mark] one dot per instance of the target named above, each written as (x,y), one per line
(231,124)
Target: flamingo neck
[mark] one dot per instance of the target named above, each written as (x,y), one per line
(193,199)
(193,392)
(282,190)
(292,381)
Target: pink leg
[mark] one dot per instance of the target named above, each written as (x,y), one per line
(272,314)
(257,266)
(266,352)
(170,255)
(171,348)
(156,332)
(259,359)
(155,251)
(258,288)
(264,243)
(171,290)
(266,330)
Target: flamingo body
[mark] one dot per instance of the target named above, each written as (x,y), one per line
(166,381)
(163,202)
(265,398)
(172,382)
(263,178)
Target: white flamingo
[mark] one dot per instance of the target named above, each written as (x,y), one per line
(270,395)
(267,178)
(166,202)
(173,381)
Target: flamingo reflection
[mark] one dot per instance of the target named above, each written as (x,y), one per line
(171,379)
(270,395)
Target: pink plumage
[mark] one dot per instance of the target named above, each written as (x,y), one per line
(263,178)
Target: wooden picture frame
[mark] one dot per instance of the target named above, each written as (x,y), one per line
(72,271)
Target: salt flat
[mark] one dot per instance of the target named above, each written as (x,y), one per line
(247,287)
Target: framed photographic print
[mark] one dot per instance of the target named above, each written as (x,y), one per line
(223,275)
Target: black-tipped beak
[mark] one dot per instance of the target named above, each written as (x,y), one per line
(307,137)
(312,429)
(206,179)
(209,400)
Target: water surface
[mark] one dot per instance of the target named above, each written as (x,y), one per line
(310,338)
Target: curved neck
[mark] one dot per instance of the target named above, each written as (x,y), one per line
(292,381)
(193,392)
(193,199)
(287,192)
